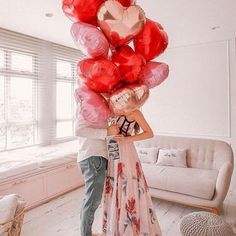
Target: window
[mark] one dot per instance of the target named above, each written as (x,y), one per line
(37,82)
(65,105)
(21,62)
(18,95)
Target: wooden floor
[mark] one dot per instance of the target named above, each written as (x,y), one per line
(60,217)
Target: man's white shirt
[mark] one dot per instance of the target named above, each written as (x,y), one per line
(91,138)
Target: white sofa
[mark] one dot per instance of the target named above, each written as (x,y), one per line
(205,181)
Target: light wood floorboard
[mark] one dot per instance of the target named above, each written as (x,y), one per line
(60,217)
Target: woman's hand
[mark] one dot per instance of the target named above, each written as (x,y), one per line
(113,130)
(119,138)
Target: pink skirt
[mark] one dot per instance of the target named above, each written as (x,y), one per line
(128,208)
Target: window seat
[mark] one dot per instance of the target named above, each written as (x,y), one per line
(39,174)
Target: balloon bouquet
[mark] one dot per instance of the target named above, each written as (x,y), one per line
(115,72)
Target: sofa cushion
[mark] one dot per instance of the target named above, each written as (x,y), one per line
(56,159)
(172,157)
(147,155)
(13,167)
(190,181)
(33,159)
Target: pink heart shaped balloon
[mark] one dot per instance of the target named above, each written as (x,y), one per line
(90,40)
(93,107)
(153,74)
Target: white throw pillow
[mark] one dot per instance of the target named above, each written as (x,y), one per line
(172,157)
(147,155)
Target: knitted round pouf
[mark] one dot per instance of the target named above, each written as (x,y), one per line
(204,224)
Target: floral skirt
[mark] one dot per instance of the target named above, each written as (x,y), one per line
(128,208)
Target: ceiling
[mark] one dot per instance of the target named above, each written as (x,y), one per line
(186,21)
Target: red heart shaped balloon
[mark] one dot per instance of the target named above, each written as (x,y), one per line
(130,63)
(82,10)
(127,3)
(120,24)
(152,40)
(100,75)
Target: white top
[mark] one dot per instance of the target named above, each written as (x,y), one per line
(91,138)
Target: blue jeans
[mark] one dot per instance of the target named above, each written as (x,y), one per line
(93,170)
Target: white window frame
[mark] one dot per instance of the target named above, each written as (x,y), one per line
(72,82)
(46,54)
(7,73)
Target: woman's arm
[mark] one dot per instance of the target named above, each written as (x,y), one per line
(147,131)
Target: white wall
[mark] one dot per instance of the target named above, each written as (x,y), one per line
(199,97)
